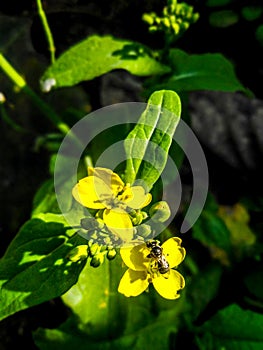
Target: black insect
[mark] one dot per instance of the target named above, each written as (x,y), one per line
(156,253)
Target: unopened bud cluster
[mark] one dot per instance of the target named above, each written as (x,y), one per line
(101,241)
(176,18)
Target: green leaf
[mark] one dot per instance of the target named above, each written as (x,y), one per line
(35,267)
(147,145)
(199,72)
(104,319)
(232,328)
(98,55)
(145,327)
(101,310)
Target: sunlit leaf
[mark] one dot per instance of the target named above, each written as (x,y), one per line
(96,56)
(35,267)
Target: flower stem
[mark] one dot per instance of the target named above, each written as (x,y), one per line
(51,45)
(39,103)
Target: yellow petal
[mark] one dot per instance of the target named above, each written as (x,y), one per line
(92,192)
(119,222)
(133,283)
(168,287)
(136,257)
(173,251)
(135,197)
(110,178)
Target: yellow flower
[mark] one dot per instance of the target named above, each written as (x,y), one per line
(144,270)
(103,189)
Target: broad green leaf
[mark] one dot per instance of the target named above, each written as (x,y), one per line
(198,72)
(35,267)
(98,55)
(147,145)
(101,310)
(145,327)
(104,319)
(232,328)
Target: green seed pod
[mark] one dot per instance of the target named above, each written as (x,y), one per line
(97,260)
(160,211)
(111,254)
(78,253)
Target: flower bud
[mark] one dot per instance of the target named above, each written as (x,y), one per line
(166,22)
(137,218)
(94,249)
(97,260)
(111,254)
(176,28)
(148,18)
(78,253)
(160,211)
(185,25)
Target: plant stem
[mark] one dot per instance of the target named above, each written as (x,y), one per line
(39,103)
(47,30)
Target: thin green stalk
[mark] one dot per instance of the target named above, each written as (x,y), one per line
(51,45)
(39,103)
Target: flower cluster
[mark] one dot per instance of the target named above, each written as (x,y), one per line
(176,18)
(104,190)
(118,218)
